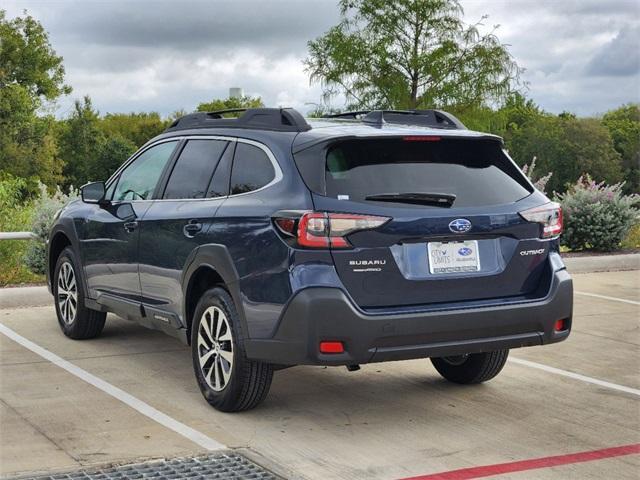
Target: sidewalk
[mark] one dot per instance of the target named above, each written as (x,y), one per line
(603,263)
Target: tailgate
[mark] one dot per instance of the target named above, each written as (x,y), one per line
(477,247)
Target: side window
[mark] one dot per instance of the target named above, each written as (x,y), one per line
(219,186)
(252,169)
(139,179)
(193,170)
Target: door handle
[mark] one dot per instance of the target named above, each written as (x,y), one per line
(130,226)
(192,228)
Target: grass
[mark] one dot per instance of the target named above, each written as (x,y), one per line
(632,242)
(12,269)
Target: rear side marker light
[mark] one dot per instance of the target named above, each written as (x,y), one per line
(331,347)
(549,216)
(323,230)
(560,326)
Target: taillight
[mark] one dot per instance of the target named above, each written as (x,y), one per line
(549,216)
(323,230)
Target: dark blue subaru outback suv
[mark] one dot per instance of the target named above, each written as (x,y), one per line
(267,241)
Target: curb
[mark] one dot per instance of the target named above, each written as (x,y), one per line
(603,263)
(23,297)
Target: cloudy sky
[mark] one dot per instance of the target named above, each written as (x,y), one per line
(580,55)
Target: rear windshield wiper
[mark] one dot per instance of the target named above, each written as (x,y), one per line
(417,198)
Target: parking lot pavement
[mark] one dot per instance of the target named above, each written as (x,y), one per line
(386,421)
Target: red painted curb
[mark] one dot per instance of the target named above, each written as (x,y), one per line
(522,465)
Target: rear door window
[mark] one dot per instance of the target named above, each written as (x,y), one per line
(194,169)
(477,172)
(252,169)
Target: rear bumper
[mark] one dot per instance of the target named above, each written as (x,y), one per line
(320,314)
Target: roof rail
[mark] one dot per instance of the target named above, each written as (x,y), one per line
(355,115)
(425,118)
(278,119)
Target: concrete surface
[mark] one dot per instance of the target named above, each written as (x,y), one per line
(387,421)
(603,263)
(20,297)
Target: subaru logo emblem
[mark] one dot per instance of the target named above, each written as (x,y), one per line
(460,225)
(465,251)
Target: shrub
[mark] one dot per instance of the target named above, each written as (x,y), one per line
(632,241)
(597,216)
(44,212)
(16,205)
(541,182)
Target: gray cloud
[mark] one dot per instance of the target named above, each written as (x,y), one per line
(166,55)
(619,57)
(278,26)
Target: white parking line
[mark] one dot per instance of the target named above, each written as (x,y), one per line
(604,297)
(575,376)
(163,419)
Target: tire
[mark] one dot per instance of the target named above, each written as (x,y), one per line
(75,319)
(472,368)
(227,379)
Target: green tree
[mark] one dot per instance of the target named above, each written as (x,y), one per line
(516,112)
(411,54)
(81,143)
(27,59)
(137,128)
(567,146)
(231,102)
(30,74)
(113,152)
(624,126)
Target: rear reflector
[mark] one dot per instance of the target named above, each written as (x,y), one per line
(286,225)
(549,216)
(561,325)
(331,347)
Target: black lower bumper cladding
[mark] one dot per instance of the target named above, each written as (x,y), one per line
(327,314)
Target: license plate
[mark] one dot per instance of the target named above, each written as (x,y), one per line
(453,257)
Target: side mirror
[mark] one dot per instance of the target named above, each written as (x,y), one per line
(93,192)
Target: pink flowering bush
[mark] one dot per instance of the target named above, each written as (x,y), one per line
(597,216)
(539,182)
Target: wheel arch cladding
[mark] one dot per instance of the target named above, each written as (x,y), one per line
(204,278)
(211,265)
(58,243)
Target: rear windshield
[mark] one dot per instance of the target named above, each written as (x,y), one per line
(477,172)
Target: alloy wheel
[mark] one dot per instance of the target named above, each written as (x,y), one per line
(456,360)
(215,348)
(67,293)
